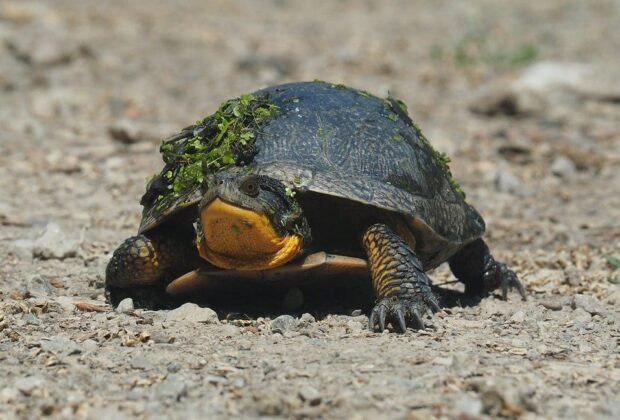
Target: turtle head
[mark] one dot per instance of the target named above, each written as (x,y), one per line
(250,222)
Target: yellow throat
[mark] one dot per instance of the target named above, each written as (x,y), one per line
(241,239)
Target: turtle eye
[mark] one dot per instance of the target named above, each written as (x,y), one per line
(249,186)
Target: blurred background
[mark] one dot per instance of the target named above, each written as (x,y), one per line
(523,96)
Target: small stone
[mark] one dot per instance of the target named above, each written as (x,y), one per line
(229,331)
(126,132)
(190,312)
(518,317)
(66,303)
(553,306)
(356,312)
(125,306)
(171,388)
(9,395)
(563,167)
(27,385)
(574,276)
(589,304)
(53,244)
(506,182)
(37,286)
(31,319)
(310,395)
(140,362)
(468,405)
(283,323)
(174,367)
(306,319)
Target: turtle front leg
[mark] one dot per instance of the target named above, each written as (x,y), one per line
(141,266)
(481,273)
(403,290)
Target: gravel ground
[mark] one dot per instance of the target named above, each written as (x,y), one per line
(523,96)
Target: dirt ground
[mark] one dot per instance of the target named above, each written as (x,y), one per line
(524,97)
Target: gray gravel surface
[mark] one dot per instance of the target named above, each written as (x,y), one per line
(523,96)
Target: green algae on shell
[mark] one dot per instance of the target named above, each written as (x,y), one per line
(213,143)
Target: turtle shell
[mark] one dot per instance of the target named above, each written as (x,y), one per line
(334,140)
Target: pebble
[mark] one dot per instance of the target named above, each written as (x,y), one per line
(66,303)
(125,306)
(283,323)
(310,395)
(306,319)
(28,384)
(563,167)
(53,244)
(553,306)
(140,362)
(518,317)
(37,286)
(506,182)
(190,312)
(589,304)
(9,395)
(171,388)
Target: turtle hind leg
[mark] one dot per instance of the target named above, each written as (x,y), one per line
(402,288)
(141,266)
(481,273)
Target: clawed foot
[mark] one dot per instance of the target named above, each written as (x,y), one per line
(403,311)
(498,276)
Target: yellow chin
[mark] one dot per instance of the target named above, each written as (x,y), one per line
(241,239)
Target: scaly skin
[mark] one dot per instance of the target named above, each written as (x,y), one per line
(141,266)
(481,273)
(402,288)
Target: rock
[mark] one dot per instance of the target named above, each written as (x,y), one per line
(506,182)
(356,312)
(190,312)
(283,323)
(171,388)
(27,385)
(174,367)
(468,405)
(310,395)
(140,362)
(126,132)
(551,305)
(306,319)
(9,395)
(574,276)
(589,304)
(60,345)
(53,244)
(563,167)
(38,287)
(31,319)
(66,303)
(587,80)
(518,317)
(125,306)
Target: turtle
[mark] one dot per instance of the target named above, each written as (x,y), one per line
(309,177)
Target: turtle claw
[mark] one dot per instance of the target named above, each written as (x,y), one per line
(498,275)
(400,310)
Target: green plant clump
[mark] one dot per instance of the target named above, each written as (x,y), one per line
(218,141)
